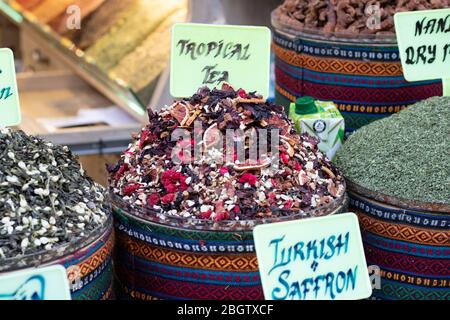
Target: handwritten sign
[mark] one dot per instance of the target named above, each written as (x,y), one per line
(211,54)
(313,259)
(48,283)
(9,97)
(424,43)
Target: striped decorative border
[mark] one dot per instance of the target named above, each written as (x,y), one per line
(404,232)
(150,285)
(392,290)
(188,234)
(341,50)
(388,213)
(228,262)
(342,93)
(420,250)
(338,66)
(94,264)
(406,263)
(199,275)
(437,282)
(164,262)
(155,261)
(411,248)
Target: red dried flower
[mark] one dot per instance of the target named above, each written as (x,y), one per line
(173,181)
(288,204)
(153,199)
(297,166)
(121,171)
(221,216)
(170,197)
(241,93)
(130,188)
(206,215)
(284,158)
(223,170)
(248,178)
(143,139)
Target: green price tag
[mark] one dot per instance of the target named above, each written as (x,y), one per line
(9,96)
(313,259)
(424,43)
(48,283)
(212,54)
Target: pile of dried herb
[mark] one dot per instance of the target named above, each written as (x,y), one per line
(350,16)
(46,200)
(406,155)
(158,172)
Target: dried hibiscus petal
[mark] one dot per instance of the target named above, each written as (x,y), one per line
(130,188)
(248,178)
(168,198)
(153,199)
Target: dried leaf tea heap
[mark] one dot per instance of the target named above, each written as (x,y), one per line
(46,200)
(406,155)
(350,16)
(158,177)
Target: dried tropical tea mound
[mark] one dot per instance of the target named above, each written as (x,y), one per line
(350,16)
(405,155)
(161,174)
(46,200)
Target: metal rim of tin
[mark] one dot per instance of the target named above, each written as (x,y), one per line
(319,35)
(396,201)
(193,224)
(45,258)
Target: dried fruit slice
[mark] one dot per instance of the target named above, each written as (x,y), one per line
(212,136)
(291,139)
(180,112)
(260,164)
(287,147)
(191,119)
(250,100)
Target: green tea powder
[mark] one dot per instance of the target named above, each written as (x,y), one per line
(406,155)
